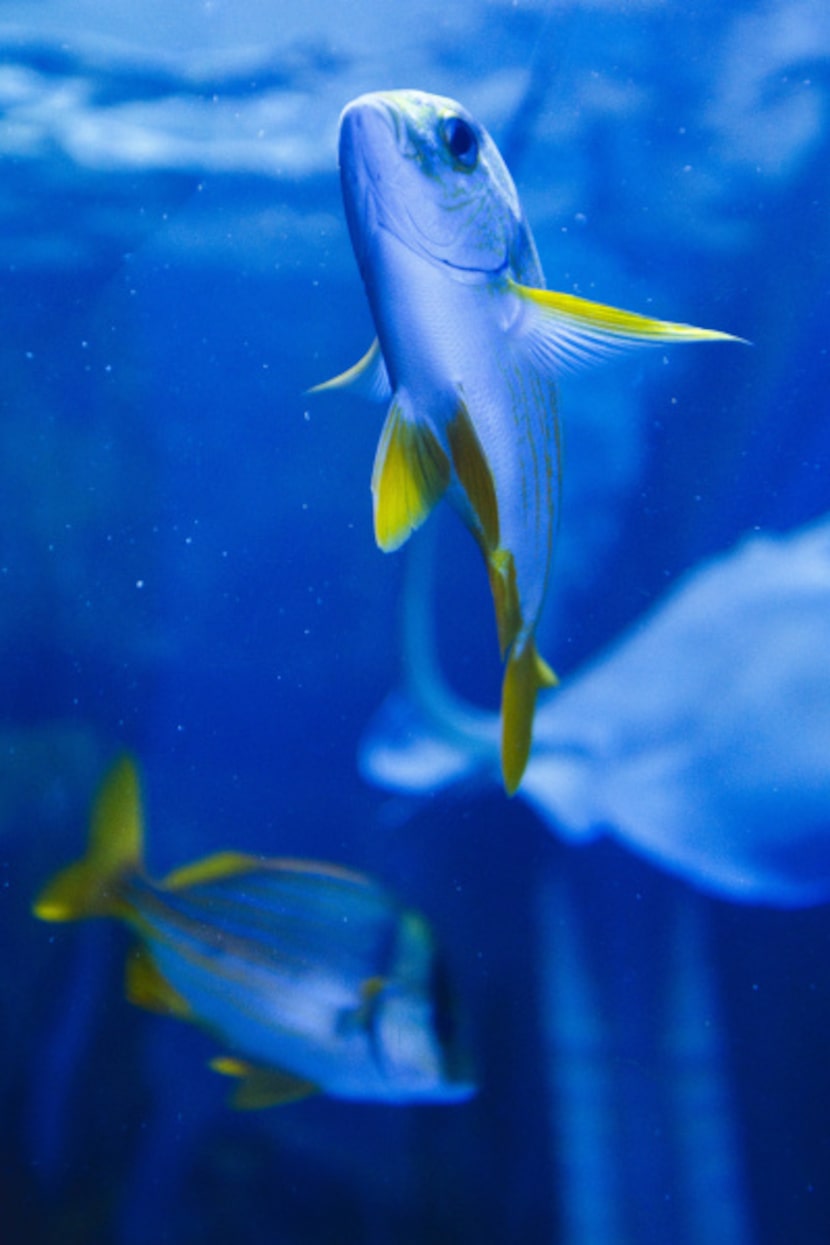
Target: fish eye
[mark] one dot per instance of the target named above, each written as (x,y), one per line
(461,141)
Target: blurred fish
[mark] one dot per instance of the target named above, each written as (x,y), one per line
(701,740)
(468,345)
(310,974)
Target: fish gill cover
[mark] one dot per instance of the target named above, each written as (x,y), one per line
(188,569)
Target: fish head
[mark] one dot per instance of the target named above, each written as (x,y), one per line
(421,168)
(416,1035)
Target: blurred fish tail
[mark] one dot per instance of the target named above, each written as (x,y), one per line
(92,886)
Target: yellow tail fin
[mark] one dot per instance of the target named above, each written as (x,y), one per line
(526,673)
(90,887)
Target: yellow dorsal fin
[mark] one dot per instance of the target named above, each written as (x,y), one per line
(261,1087)
(526,673)
(475,477)
(92,886)
(210,869)
(145,986)
(411,473)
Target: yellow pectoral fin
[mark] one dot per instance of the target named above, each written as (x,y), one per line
(526,673)
(410,475)
(145,987)
(261,1087)
(563,330)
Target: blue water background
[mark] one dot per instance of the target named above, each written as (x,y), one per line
(187,569)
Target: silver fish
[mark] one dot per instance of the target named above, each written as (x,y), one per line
(469,343)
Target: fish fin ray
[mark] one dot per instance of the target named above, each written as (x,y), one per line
(145,986)
(91,886)
(261,1087)
(525,675)
(368,378)
(564,332)
(410,475)
(474,476)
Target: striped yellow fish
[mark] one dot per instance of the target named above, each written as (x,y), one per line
(469,343)
(310,975)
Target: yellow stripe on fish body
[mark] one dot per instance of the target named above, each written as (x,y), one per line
(469,343)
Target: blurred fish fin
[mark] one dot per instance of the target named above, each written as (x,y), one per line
(368,378)
(406,749)
(564,332)
(145,986)
(261,1087)
(525,675)
(410,475)
(211,869)
(91,886)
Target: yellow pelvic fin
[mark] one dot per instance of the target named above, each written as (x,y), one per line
(91,886)
(145,986)
(475,477)
(261,1087)
(211,869)
(411,473)
(502,571)
(526,673)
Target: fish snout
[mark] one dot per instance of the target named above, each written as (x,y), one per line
(370,131)
(370,145)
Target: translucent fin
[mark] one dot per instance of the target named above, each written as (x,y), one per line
(368,378)
(502,571)
(526,673)
(564,332)
(91,886)
(211,869)
(261,1087)
(145,986)
(411,473)
(475,477)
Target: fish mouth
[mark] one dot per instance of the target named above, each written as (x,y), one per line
(374,147)
(369,141)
